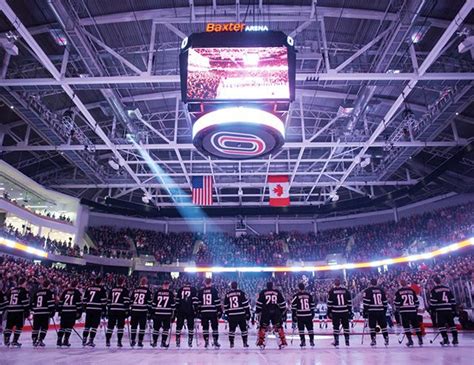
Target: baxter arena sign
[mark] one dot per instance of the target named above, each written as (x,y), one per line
(234,27)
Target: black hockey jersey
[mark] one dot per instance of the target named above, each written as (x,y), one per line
(141,300)
(18,300)
(187,300)
(375,299)
(236,304)
(339,300)
(442,299)
(95,299)
(43,302)
(209,301)
(119,300)
(406,300)
(70,302)
(3,303)
(302,305)
(163,303)
(270,301)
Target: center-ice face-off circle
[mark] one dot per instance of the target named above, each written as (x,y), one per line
(238,133)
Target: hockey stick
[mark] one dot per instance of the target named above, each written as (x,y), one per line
(103,324)
(150,326)
(129,335)
(196,332)
(292,333)
(363,332)
(31,325)
(54,323)
(431,341)
(77,333)
(401,340)
(170,333)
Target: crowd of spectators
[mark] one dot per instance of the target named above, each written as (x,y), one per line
(65,248)
(44,213)
(167,248)
(367,242)
(12,268)
(245,250)
(110,242)
(455,269)
(409,235)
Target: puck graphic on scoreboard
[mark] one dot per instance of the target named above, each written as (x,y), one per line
(238,133)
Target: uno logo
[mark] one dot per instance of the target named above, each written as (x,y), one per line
(242,144)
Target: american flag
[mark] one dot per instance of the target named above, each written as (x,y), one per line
(202,190)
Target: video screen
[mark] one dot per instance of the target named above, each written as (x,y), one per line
(246,73)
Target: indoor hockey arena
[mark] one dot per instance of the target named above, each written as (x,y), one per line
(247,181)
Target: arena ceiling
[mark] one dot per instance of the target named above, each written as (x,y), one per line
(384,108)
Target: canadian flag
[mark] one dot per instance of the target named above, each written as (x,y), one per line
(279,190)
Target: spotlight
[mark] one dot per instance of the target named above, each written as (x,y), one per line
(59,36)
(334,196)
(114,165)
(419,33)
(146,198)
(240,192)
(134,113)
(365,162)
(467,45)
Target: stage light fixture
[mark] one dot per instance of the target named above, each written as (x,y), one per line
(365,162)
(114,164)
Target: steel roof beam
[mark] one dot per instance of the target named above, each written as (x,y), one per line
(429,60)
(43,57)
(175,79)
(125,185)
(189,146)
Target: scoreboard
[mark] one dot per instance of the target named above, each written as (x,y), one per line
(238,81)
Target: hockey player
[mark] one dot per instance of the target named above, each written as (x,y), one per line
(237,309)
(210,310)
(271,307)
(95,305)
(406,303)
(70,309)
(139,310)
(302,309)
(375,307)
(17,310)
(163,313)
(186,307)
(442,303)
(118,306)
(3,303)
(43,307)
(340,310)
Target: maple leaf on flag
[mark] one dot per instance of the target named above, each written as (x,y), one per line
(278,190)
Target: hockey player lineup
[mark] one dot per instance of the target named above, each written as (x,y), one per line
(137,308)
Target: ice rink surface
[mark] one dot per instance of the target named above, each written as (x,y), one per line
(322,353)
